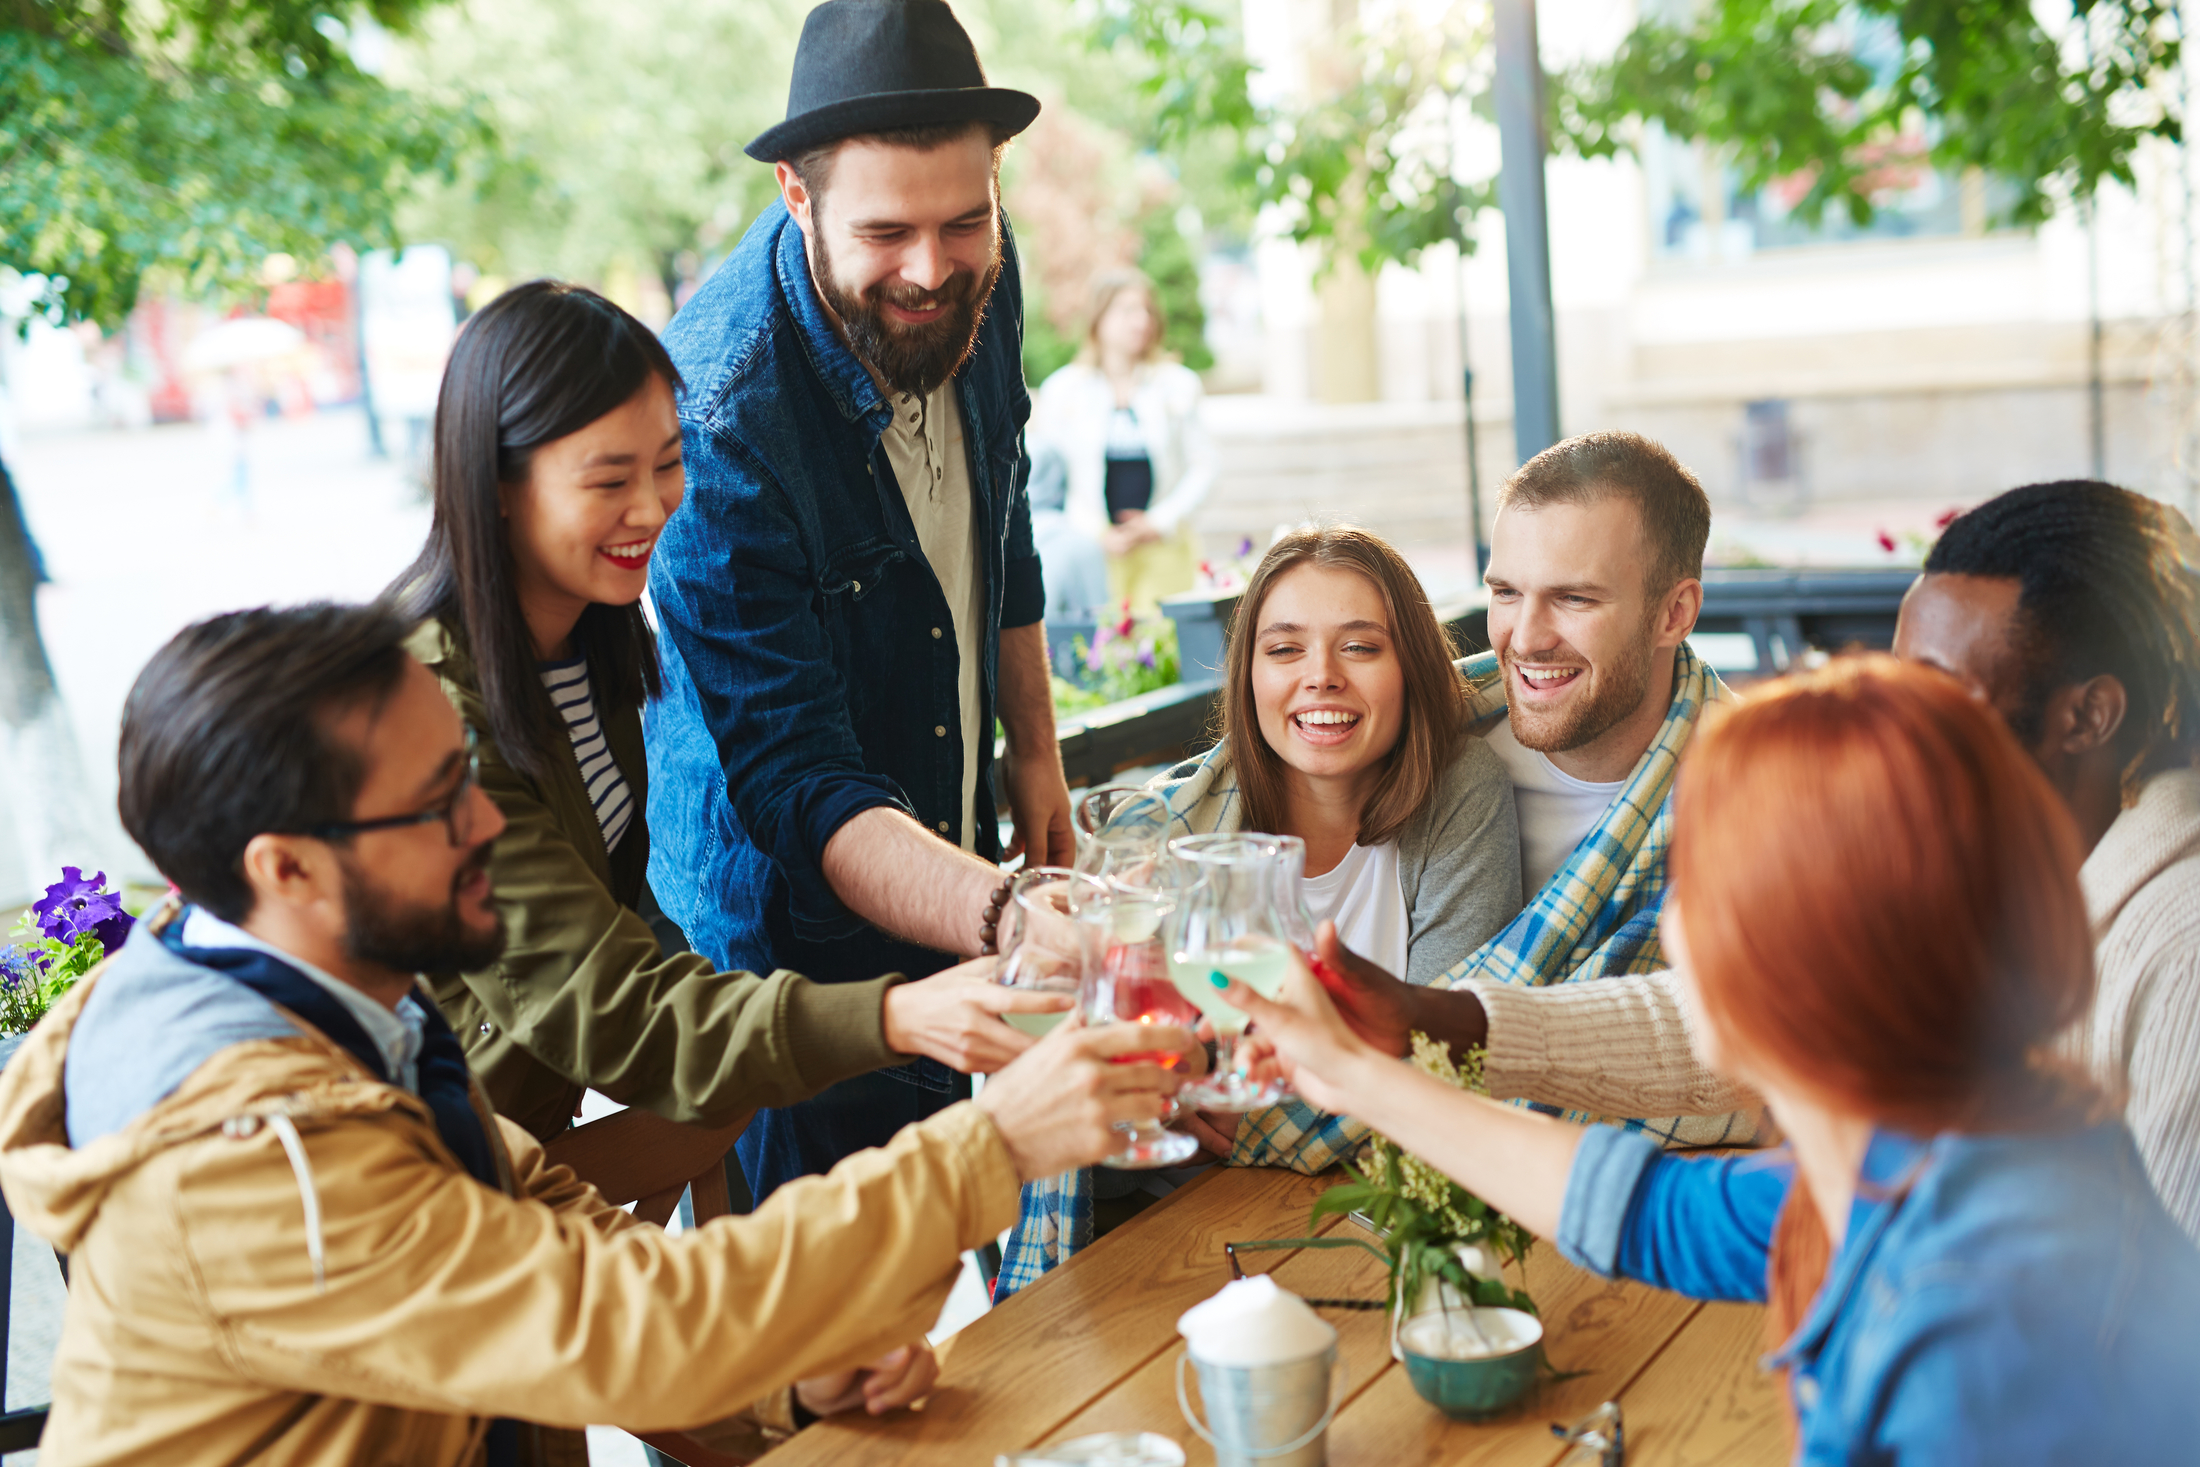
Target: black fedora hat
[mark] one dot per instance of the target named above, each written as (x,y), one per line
(867,65)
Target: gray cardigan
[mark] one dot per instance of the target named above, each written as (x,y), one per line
(1458,858)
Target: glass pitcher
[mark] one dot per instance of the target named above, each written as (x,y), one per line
(1122,833)
(1229,918)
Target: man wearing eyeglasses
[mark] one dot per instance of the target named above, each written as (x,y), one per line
(296,1230)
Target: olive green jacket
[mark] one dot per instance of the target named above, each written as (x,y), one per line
(583,996)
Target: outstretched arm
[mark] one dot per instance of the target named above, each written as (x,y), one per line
(1515,1160)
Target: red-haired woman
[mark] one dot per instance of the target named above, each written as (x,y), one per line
(1876,916)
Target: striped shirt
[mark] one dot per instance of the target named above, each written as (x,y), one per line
(607,789)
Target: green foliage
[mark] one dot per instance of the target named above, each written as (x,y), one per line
(1839,91)
(194,139)
(1367,169)
(619,130)
(1125,659)
(1166,257)
(1424,1217)
(38,970)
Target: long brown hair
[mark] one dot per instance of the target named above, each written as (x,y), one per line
(1881,900)
(1435,720)
(1106,286)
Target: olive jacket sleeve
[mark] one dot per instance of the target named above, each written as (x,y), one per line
(583,997)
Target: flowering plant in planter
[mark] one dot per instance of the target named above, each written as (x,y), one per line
(1434,1231)
(59,940)
(1125,658)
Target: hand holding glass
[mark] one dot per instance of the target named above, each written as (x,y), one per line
(1228,919)
(1127,981)
(1041,947)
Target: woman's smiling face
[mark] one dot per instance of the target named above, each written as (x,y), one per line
(583,524)
(1328,688)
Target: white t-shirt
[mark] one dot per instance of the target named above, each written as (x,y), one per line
(924,445)
(1361,894)
(1556,809)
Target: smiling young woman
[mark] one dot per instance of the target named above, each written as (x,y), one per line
(1344,723)
(557,464)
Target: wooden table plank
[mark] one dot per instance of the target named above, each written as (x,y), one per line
(1093,1347)
(1605,1330)
(1146,1400)
(1019,1371)
(1703,1400)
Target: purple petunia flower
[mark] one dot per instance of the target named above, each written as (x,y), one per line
(1145,654)
(75,906)
(1245,547)
(19,966)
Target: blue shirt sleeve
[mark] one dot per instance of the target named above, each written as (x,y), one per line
(734,594)
(1700,1226)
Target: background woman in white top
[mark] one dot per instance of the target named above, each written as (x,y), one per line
(1126,422)
(1344,723)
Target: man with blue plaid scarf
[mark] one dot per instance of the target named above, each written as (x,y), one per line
(1589,695)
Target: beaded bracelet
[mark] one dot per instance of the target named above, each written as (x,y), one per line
(990,930)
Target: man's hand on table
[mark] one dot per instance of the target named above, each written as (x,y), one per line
(894,1379)
(1384,1011)
(1057,1105)
(954,1017)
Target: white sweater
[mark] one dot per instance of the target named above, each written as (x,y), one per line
(1619,1046)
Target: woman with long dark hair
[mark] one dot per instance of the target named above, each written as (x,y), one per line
(1876,920)
(557,462)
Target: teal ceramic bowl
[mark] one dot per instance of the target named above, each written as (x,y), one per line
(1478,1386)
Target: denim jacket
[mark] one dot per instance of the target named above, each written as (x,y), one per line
(808,650)
(1996,1298)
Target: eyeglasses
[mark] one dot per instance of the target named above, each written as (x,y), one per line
(456,826)
(1600,1433)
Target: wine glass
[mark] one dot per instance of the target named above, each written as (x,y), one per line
(1125,830)
(1228,920)
(1041,948)
(1127,981)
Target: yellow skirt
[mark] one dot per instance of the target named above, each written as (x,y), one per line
(1152,571)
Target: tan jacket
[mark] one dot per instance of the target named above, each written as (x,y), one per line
(371,1305)
(583,997)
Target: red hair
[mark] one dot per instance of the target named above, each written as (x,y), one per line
(1880,897)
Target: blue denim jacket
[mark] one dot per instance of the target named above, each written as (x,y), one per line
(1996,1299)
(808,650)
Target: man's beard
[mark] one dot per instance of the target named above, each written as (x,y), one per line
(416,939)
(910,358)
(1615,691)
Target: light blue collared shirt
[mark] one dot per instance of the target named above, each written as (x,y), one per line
(395,1034)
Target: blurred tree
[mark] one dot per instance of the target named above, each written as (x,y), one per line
(620,131)
(189,139)
(1166,256)
(614,160)
(1841,92)
(195,138)
(1366,163)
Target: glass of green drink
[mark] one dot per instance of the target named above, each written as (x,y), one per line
(1041,945)
(1229,918)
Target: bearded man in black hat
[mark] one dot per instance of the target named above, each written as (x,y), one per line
(851,595)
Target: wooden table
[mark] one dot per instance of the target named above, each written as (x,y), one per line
(1093,1347)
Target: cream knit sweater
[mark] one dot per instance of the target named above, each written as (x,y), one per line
(1619,1046)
